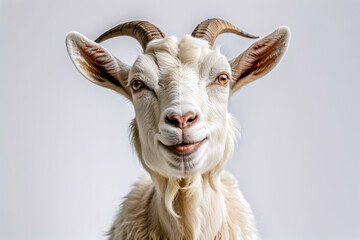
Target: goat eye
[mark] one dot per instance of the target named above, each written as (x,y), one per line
(137,85)
(222,79)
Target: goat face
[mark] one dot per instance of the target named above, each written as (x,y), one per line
(179,90)
(180,94)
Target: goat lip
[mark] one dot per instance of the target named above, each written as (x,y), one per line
(185,149)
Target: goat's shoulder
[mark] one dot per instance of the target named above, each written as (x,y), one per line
(240,219)
(133,220)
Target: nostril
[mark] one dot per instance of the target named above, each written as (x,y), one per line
(191,118)
(172,120)
(181,121)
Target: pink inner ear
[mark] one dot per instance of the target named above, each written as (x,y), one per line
(98,63)
(260,58)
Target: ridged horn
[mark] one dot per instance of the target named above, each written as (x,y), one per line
(142,31)
(211,28)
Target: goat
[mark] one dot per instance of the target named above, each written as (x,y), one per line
(182,132)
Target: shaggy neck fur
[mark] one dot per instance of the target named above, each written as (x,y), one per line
(194,201)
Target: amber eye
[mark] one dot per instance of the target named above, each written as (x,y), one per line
(137,85)
(222,79)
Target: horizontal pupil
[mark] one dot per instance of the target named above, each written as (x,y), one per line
(223,77)
(137,85)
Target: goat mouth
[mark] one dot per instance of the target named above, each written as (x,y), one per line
(185,148)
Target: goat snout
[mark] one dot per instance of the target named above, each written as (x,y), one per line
(182,122)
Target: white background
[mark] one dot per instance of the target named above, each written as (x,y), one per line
(65,159)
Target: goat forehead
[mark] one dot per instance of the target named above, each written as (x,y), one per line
(173,61)
(171,54)
(188,50)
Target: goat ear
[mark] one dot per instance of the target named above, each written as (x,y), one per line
(97,64)
(260,58)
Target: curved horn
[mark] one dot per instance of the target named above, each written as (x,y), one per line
(211,28)
(142,31)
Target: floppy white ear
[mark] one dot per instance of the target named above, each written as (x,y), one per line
(260,58)
(97,64)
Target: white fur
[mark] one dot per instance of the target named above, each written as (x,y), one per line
(188,202)
(181,197)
